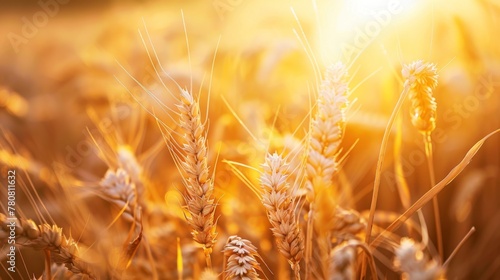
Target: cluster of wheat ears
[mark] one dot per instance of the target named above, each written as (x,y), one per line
(319,236)
(315,228)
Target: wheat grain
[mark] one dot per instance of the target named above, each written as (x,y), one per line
(277,198)
(241,259)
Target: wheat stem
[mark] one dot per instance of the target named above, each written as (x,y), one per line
(179,260)
(48,264)
(435,203)
(308,247)
(208,259)
(296,271)
(383,148)
(455,251)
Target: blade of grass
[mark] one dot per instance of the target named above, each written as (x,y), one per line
(383,148)
(434,190)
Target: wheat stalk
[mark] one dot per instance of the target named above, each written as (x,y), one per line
(277,198)
(200,202)
(423,79)
(240,256)
(326,132)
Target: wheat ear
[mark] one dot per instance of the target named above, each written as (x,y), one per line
(118,188)
(411,261)
(423,79)
(326,132)
(200,202)
(343,262)
(241,262)
(128,162)
(277,198)
(64,250)
(348,224)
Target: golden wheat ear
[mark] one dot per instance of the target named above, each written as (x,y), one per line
(58,247)
(325,136)
(343,262)
(241,258)
(411,261)
(200,202)
(422,78)
(278,199)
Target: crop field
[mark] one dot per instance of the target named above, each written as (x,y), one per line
(250,139)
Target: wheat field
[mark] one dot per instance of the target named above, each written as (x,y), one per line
(238,139)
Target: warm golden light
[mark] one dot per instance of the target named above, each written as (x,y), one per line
(249,139)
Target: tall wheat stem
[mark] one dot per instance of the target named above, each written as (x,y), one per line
(48,264)
(378,171)
(383,148)
(309,236)
(435,204)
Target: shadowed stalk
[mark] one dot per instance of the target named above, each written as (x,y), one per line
(433,191)
(378,170)
(308,245)
(457,248)
(383,148)
(435,203)
(179,260)
(48,263)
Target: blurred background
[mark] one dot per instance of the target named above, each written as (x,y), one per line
(70,81)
